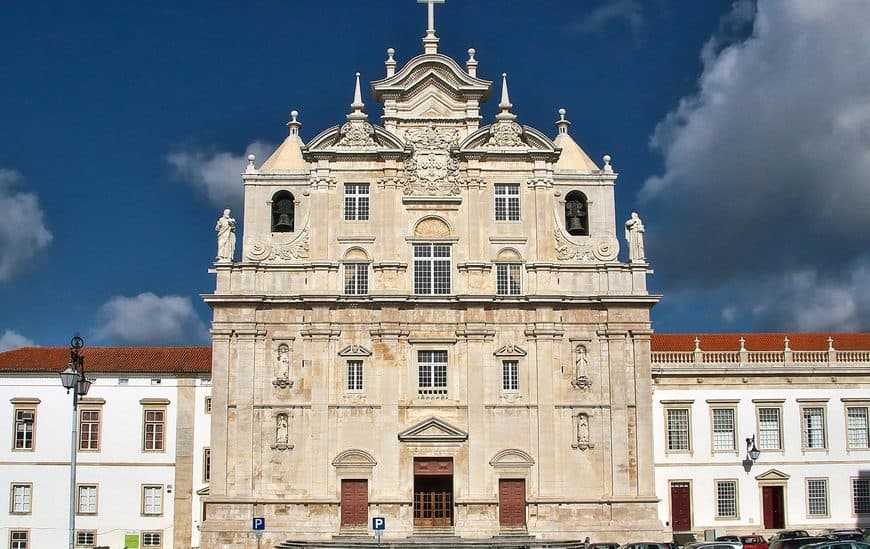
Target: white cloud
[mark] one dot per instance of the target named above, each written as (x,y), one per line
(22,228)
(766,165)
(13,340)
(611,11)
(150,320)
(216,174)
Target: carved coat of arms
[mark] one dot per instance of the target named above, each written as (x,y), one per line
(432,171)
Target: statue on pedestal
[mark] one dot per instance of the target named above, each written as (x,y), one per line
(226,237)
(634,230)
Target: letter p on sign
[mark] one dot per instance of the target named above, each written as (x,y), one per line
(379,523)
(258,524)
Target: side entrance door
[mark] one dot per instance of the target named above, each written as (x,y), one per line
(773,507)
(681,507)
(512,502)
(354,502)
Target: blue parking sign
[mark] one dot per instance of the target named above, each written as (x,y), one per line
(258,524)
(379,523)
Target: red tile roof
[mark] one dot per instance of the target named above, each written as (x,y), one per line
(760,342)
(180,360)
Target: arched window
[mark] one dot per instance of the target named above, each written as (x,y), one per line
(576,214)
(283,212)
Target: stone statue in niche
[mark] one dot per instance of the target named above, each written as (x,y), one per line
(581,369)
(634,230)
(283,380)
(226,237)
(282,433)
(582,432)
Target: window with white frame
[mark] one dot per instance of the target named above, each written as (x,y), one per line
(769,429)
(432,374)
(356,278)
(86,538)
(817,497)
(152,500)
(813,427)
(507,202)
(510,375)
(354,375)
(508,278)
(861,496)
(431,269)
(154,429)
(152,539)
(25,421)
(206,464)
(87,501)
(89,429)
(678,429)
(726,498)
(21,499)
(19,539)
(356,201)
(857,426)
(723,429)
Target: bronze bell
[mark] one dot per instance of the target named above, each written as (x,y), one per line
(283,225)
(575,225)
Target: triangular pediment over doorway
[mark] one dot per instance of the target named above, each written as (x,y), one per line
(772,474)
(433,430)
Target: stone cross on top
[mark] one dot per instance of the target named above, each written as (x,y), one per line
(430,42)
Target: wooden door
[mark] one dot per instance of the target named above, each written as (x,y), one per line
(354,502)
(433,501)
(772,507)
(681,507)
(512,502)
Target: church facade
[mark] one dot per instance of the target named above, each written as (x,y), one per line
(429,322)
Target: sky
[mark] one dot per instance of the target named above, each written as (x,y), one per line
(740,130)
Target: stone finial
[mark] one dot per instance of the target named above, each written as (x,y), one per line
(562,124)
(830,343)
(607,167)
(742,341)
(471,64)
(505,103)
(357,105)
(251,167)
(697,344)
(390,63)
(786,341)
(294,124)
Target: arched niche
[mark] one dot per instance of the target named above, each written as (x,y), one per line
(283,212)
(577,213)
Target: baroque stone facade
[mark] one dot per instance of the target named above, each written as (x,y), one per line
(429,323)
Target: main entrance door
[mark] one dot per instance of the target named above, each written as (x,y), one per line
(354,502)
(772,507)
(681,505)
(433,492)
(512,502)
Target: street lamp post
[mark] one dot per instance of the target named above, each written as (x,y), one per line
(74,378)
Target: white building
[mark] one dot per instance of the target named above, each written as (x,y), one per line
(142,434)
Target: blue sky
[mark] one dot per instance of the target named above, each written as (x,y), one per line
(741,134)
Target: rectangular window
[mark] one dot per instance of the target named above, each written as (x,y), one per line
(89,429)
(817,497)
(356,278)
(861,496)
(152,539)
(507,202)
(87,502)
(206,464)
(208,405)
(86,538)
(152,500)
(769,429)
(21,495)
(25,420)
(678,429)
(432,374)
(507,279)
(723,429)
(813,427)
(154,429)
(726,499)
(510,375)
(18,539)
(431,269)
(356,201)
(856,420)
(354,375)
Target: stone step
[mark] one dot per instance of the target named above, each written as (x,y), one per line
(511,541)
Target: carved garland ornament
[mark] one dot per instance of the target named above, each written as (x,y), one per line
(505,134)
(431,171)
(356,134)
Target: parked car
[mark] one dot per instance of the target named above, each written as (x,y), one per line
(789,534)
(753,542)
(732,539)
(714,545)
(844,534)
(604,545)
(648,545)
(838,544)
(796,542)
